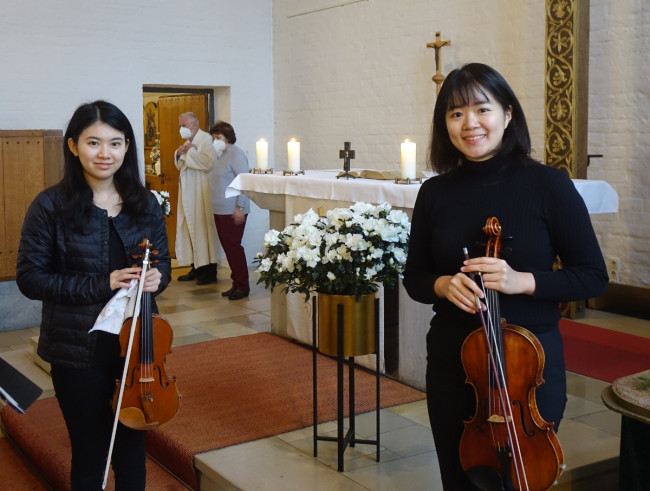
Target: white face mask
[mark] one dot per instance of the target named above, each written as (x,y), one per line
(185,132)
(219,145)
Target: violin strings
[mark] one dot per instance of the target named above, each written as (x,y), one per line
(491,304)
(118,406)
(145,334)
(498,370)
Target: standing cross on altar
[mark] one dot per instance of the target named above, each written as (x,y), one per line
(346,154)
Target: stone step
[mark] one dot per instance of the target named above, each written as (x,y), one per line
(37,359)
(591,458)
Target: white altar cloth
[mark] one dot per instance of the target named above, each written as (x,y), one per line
(286,196)
(599,196)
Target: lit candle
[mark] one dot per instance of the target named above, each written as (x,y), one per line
(262,148)
(293,149)
(408,160)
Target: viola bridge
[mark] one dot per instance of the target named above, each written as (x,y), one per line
(498,418)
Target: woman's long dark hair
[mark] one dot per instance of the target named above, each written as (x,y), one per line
(459,89)
(127,179)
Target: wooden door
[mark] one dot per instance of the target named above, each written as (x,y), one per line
(169,108)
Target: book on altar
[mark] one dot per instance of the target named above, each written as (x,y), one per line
(381,175)
(16,389)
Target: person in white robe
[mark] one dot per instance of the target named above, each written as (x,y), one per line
(196,235)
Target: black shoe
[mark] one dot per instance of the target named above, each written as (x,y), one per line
(206,280)
(238,295)
(206,274)
(227,293)
(189,276)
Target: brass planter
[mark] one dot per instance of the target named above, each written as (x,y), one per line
(358,324)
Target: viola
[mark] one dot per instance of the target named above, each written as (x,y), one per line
(145,395)
(506,445)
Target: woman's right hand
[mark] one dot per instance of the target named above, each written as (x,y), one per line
(121,278)
(460,290)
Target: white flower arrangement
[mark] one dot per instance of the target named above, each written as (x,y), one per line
(163,201)
(347,252)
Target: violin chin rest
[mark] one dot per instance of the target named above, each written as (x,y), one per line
(133,418)
(485,478)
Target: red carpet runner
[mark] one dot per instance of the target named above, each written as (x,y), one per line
(234,390)
(41,435)
(15,472)
(603,354)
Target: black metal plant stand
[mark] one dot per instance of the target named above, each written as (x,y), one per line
(343,439)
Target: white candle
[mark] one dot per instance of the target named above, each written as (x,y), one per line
(408,160)
(293,150)
(262,148)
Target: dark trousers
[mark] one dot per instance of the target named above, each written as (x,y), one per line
(230,236)
(451,401)
(635,449)
(84,396)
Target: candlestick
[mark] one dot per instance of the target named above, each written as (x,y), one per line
(293,150)
(408,160)
(262,150)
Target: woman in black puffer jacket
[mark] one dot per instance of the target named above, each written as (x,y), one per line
(75,253)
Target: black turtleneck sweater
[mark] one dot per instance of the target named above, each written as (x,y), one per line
(542,216)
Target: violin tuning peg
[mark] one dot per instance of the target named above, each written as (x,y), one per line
(144,243)
(154,252)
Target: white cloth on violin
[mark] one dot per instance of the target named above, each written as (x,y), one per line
(117,310)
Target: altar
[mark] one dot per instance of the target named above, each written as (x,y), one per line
(286,196)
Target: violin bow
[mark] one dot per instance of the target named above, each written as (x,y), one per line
(134,320)
(496,363)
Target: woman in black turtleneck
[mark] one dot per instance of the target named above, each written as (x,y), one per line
(481,151)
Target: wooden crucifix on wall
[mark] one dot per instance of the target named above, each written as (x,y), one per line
(437,45)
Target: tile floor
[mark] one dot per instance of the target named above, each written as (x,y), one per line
(589,433)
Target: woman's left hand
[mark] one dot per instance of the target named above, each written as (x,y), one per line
(238,216)
(498,275)
(152,280)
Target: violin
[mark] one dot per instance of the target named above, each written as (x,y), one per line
(506,445)
(145,395)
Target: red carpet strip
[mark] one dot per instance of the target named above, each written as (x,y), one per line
(16,473)
(603,354)
(42,437)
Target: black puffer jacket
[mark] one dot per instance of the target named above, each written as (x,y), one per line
(69,271)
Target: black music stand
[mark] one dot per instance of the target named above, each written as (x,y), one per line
(16,389)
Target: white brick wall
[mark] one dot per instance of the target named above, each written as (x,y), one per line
(57,55)
(618,128)
(362,73)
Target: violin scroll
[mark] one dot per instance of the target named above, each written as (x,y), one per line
(492,229)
